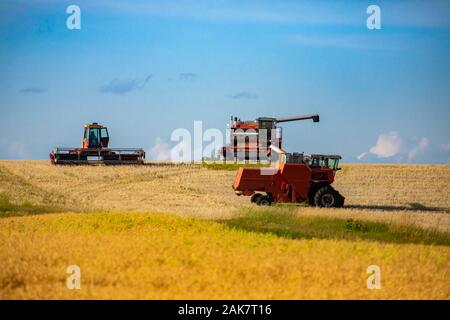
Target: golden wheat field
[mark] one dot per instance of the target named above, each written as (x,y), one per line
(179,232)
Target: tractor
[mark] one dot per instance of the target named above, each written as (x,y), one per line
(94,150)
(295,178)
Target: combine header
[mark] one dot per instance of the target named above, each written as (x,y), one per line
(251,140)
(95,150)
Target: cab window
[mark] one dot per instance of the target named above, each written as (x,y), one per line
(94,139)
(333,163)
(316,162)
(104,133)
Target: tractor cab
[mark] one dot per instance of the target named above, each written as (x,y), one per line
(95,136)
(321,161)
(330,161)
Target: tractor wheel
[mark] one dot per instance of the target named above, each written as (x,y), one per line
(341,199)
(255,197)
(327,197)
(312,192)
(264,201)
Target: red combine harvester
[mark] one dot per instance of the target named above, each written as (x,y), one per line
(296,177)
(95,150)
(251,140)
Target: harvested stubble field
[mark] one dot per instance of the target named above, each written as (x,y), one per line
(166,231)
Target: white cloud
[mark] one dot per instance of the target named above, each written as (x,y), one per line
(122,86)
(17,150)
(160,151)
(244,95)
(32,90)
(391,144)
(419,149)
(388,145)
(445,146)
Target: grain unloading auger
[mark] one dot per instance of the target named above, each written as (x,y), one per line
(95,150)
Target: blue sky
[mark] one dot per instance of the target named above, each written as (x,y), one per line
(145,68)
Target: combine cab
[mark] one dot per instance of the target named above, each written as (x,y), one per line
(295,178)
(95,150)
